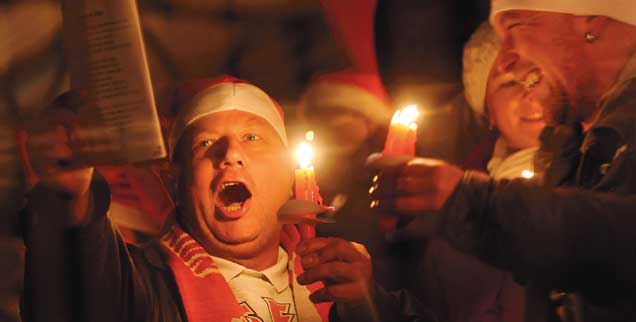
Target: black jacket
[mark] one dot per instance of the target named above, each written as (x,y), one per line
(570,231)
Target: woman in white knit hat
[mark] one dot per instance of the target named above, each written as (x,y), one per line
(501,97)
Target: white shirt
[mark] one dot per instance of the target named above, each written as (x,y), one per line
(265,294)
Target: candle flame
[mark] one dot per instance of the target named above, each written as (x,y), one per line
(304,154)
(527,174)
(406,116)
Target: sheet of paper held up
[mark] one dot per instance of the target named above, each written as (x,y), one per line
(118,121)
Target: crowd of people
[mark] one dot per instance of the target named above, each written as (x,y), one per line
(534,225)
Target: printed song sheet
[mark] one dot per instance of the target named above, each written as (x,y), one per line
(118,122)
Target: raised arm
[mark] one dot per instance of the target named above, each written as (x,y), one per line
(568,238)
(77,265)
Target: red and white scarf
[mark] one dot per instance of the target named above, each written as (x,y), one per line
(206,295)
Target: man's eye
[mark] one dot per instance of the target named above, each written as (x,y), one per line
(508,84)
(251,137)
(205,143)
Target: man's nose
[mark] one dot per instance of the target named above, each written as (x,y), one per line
(228,153)
(507,58)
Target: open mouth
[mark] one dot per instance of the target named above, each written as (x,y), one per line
(533,117)
(232,196)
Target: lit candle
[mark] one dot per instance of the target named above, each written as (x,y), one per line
(306,187)
(527,174)
(402,133)
(400,141)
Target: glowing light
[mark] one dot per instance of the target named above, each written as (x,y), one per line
(527,174)
(402,133)
(309,136)
(304,155)
(405,116)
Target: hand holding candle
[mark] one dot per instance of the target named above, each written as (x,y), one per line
(400,143)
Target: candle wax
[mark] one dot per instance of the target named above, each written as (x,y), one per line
(400,140)
(306,187)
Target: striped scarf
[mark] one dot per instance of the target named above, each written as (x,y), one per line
(206,295)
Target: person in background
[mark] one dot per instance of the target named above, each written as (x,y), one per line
(570,229)
(348,111)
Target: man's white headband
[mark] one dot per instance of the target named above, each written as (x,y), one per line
(227,96)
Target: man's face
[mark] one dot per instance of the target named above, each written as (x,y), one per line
(552,43)
(235,175)
(515,104)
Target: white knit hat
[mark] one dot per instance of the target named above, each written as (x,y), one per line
(621,10)
(349,90)
(480,52)
(224,94)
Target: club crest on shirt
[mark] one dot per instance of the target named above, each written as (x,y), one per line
(278,312)
(249,315)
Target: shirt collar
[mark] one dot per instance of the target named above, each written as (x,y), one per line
(277,275)
(228,269)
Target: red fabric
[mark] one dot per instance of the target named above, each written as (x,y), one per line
(203,290)
(190,88)
(205,294)
(478,157)
(140,188)
(352,24)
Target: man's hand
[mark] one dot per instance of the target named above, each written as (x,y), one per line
(51,159)
(343,266)
(413,186)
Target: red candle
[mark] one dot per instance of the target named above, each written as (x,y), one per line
(306,187)
(411,139)
(400,141)
(402,133)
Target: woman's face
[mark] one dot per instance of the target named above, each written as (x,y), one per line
(516,104)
